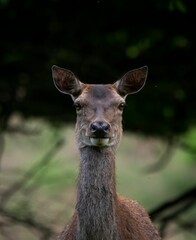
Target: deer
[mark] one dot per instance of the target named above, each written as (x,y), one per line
(100,212)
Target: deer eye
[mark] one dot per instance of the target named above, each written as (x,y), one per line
(77,106)
(121,106)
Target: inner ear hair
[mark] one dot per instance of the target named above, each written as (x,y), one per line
(132,82)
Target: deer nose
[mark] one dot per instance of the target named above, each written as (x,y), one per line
(100,129)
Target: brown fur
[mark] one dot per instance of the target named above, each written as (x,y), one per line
(100,213)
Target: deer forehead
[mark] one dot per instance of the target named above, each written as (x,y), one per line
(100,94)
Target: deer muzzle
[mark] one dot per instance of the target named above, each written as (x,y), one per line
(99,133)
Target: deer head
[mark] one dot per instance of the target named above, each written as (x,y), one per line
(99,107)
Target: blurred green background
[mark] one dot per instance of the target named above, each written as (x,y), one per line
(99,41)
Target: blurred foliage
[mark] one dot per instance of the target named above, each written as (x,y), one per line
(99,41)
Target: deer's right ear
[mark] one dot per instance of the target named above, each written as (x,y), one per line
(66,82)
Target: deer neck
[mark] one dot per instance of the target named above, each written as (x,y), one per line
(96,196)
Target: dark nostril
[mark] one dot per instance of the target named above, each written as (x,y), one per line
(105,126)
(100,129)
(94,127)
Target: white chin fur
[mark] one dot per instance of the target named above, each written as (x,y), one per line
(100,142)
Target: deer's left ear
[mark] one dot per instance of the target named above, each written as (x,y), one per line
(132,82)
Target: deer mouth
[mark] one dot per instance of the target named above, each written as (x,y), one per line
(100,142)
(93,141)
(96,141)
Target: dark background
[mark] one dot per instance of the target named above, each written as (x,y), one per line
(99,41)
